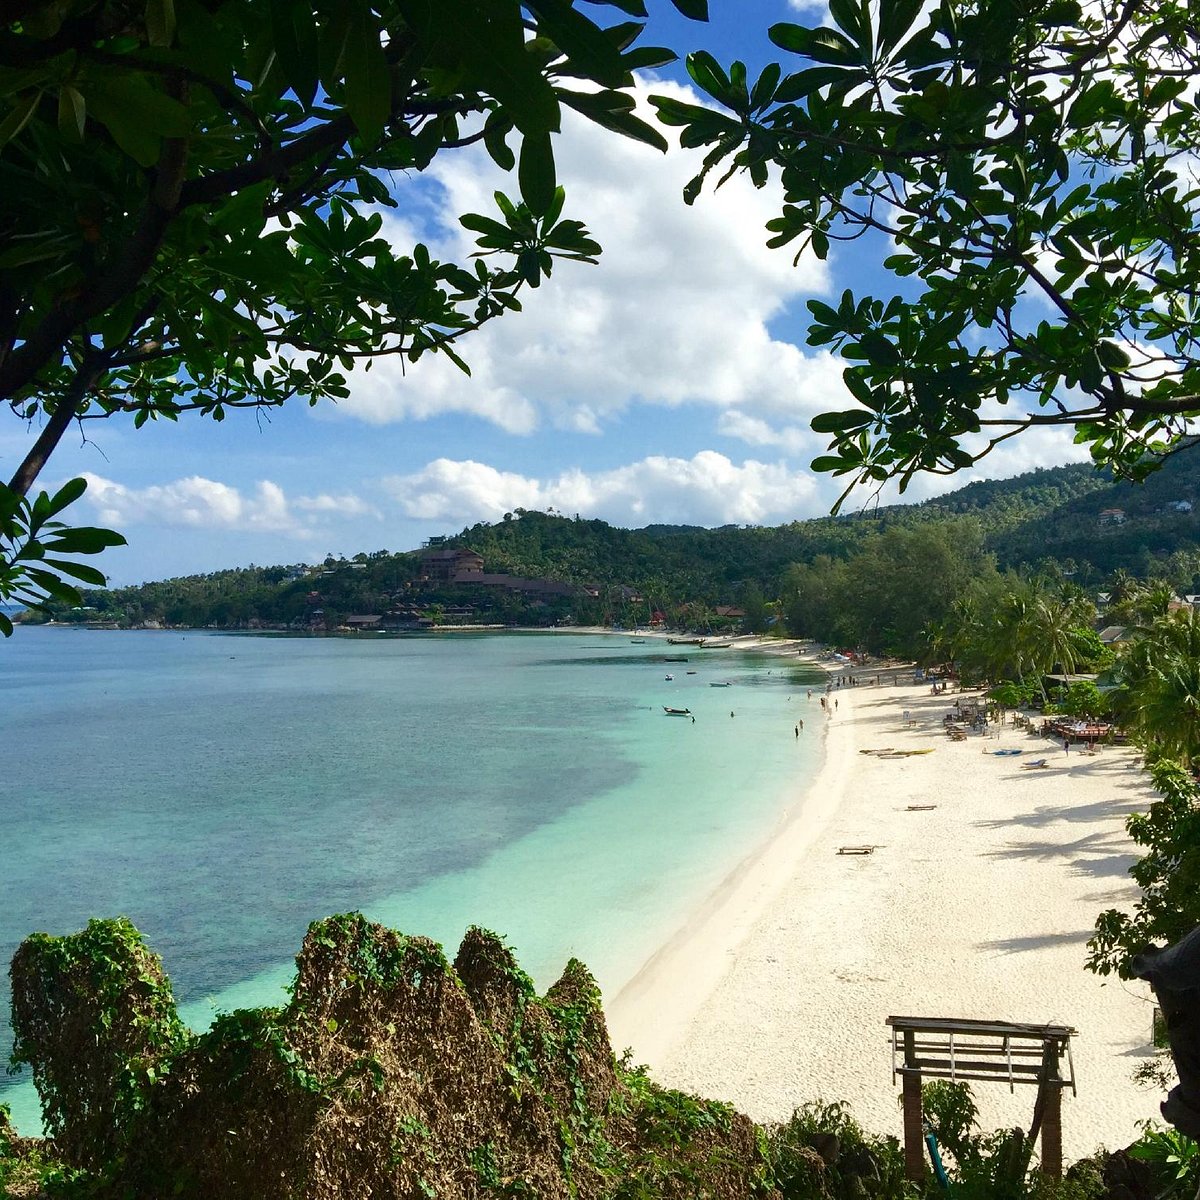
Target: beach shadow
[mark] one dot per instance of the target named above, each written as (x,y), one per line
(1117,866)
(1041,941)
(1146,1050)
(1102,854)
(1106,899)
(1114,808)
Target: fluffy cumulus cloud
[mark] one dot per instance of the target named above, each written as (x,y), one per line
(199,503)
(706,489)
(678,311)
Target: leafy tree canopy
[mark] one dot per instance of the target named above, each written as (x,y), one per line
(194,194)
(1024,169)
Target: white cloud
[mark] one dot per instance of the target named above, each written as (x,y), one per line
(707,489)
(345,504)
(677,312)
(815,12)
(199,503)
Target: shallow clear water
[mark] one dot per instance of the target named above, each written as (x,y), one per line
(222,791)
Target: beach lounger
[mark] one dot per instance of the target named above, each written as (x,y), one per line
(856,849)
(1034,763)
(919,807)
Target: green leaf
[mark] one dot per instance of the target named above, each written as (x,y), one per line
(612,114)
(536,173)
(52,586)
(72,113)
(495,130)
(18,118)
(805,83)
(708,76)
(78,571)
(84,539)
(583,42)
(647,58)
(764,89)
(835,422)
(368,86)
(829,462)
(137,115)
(296,46)
(160,22)
(67,494)
(696,10)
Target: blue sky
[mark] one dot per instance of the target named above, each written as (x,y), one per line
(669,384)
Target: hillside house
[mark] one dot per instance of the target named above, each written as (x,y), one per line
(1111,516)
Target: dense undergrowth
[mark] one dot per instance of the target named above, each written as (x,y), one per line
(393,1073)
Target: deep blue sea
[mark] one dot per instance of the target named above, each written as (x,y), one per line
(224,790)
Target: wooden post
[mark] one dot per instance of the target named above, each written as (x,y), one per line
(1052,1131)
(1049,1110)
(914,1126)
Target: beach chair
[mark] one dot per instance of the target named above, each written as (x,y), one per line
(1034,764)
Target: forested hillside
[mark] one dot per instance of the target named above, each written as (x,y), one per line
(1068,523)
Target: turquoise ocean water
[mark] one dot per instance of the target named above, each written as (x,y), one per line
(222,791)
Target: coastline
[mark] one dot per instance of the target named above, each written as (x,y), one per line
(776,991)
(652,1012)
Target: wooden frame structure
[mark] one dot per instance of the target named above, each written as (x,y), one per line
(991,1051)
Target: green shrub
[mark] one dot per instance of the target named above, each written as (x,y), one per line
(823,1152)
(1174,1157)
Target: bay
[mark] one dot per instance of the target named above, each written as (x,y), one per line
(224,790)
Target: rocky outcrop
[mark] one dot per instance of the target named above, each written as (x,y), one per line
(391,1073)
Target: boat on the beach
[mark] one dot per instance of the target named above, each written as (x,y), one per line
(677,712)
(685,641)
(725,684)
(716,645)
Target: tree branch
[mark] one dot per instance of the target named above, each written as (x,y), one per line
(86,375)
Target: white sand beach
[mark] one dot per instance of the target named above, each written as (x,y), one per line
(777,992)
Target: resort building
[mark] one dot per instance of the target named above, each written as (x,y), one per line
(454,565)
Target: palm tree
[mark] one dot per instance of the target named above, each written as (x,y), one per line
(1162,673)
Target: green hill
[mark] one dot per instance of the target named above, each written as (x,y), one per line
(1060,520)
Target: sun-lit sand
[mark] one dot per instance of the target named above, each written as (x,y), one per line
(777,991)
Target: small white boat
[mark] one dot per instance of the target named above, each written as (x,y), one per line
(720,684)
(668,678)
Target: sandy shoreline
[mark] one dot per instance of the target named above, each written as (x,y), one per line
(777,990)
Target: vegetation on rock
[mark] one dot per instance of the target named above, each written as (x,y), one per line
(390,1072)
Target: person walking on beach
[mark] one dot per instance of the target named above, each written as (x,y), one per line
(797,730)
(1066,745)
(835,702)
(801,727)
